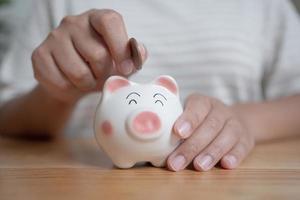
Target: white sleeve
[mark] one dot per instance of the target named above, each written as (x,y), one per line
(16,76)
(282,75)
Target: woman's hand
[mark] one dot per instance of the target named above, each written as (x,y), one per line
(212,133)
(78,56)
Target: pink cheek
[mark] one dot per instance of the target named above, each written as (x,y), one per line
(107,128)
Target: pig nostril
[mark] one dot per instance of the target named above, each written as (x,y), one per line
(146,122)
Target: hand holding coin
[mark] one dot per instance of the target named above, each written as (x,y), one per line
(69,63)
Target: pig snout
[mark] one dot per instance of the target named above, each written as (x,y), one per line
(144,125)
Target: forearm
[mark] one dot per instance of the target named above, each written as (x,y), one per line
(35,113)
(271,119)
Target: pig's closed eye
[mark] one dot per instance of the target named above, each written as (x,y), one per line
(159,94)
(159,101)
(132,101)
(133,94)
(160,98)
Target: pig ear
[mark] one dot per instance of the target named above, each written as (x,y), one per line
(114,83)
(167,82)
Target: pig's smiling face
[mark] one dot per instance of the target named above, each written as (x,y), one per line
(143,108)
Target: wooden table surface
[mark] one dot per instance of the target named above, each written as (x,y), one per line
(77,169)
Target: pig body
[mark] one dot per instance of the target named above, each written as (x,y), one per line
(134,122)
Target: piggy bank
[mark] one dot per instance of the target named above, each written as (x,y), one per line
(134,122)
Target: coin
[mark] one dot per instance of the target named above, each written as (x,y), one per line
(135,53)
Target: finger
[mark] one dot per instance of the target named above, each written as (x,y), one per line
(71,64)
(202,136)
(237,154)
(94,50)
(110,25)
(219,147)
(49,75)
(196,109)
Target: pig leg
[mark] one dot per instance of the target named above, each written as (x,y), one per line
(159,162)
(124,164)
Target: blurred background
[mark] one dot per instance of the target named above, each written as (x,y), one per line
(297,3)
(11,11)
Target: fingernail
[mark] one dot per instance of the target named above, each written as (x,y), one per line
(205,162)
(126,66)
(231,160)
(184,129)
(178,162)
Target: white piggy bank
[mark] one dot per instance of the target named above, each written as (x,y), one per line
(134,122)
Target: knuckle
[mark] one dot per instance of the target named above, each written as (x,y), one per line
(93,10)
(191,150)
(214,123)
(220,147)
(69,20)
(216,150)
(38,53)
(82,74)
(111,15)
(223,145)
(205,102)
(54,35)
(193,97)
(98,55)
(83,79)
(73,24)
(196,97)
(201,103)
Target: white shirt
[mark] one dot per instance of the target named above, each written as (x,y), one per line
(234,50)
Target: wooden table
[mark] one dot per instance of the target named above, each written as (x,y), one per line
(77,169)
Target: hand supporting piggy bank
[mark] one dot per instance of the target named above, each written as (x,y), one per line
(134,122)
